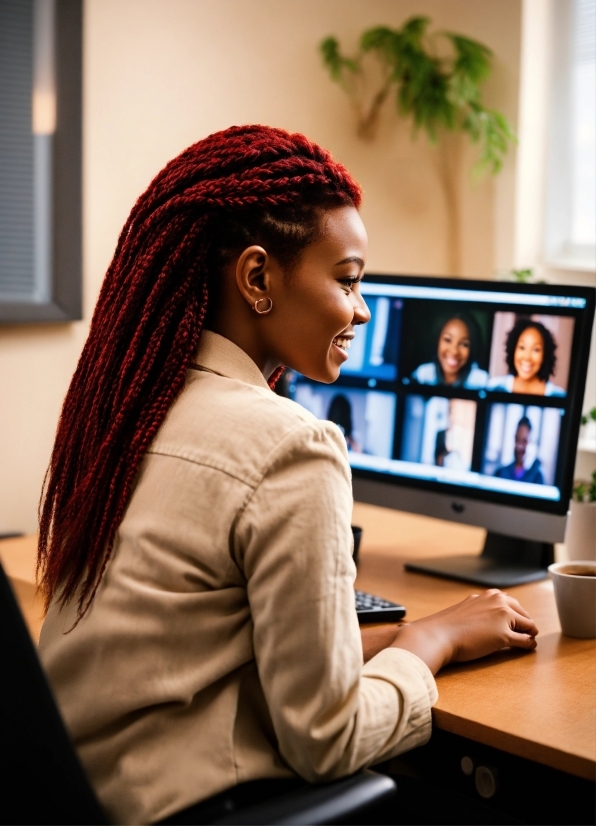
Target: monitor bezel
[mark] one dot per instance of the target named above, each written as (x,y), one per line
(579,356)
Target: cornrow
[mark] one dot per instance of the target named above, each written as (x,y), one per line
(247,184)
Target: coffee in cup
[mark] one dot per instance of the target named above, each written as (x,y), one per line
(575,594)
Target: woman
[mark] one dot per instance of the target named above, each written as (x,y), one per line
(454,444)
(530,354)
(195,542)
(340,412)
(455,363)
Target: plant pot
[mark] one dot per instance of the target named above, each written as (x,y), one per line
(580,536)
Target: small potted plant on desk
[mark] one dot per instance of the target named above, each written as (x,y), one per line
(580,537)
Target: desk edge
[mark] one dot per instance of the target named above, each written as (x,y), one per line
(546,755)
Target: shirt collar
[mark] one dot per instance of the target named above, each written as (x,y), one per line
(221,356)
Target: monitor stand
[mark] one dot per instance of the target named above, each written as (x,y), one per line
(504,561)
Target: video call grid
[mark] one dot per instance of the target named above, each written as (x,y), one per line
(403,384)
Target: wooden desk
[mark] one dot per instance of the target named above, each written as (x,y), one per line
(542,705)
(18,560)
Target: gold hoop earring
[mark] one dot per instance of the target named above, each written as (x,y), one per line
(268,309)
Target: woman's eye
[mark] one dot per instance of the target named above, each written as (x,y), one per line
(349,282)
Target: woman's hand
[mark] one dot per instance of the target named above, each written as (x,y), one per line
(478,626)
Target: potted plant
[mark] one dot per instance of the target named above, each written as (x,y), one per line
(436,80)
(580,537)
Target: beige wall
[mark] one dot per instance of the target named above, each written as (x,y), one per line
(161,74)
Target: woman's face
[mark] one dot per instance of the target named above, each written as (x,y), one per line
(529,354)
(454,349)
(316,307)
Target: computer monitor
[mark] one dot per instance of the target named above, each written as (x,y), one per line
(462,400)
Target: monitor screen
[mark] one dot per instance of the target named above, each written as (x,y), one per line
(464,387)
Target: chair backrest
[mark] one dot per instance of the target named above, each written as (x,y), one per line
(41,778)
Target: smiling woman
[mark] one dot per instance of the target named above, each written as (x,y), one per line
(195,543)
(531,358)
(455,362)
(315,302)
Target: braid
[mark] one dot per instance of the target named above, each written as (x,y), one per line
(248,182)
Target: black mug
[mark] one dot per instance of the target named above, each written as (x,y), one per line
(357,533)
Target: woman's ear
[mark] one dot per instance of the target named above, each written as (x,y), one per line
(253,277)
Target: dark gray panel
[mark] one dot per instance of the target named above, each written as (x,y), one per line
(16,149)
(65,300)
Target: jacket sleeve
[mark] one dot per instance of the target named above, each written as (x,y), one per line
(331,714)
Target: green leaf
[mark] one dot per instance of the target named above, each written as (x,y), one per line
(522,276)
(580,489)
(461,90)
(331,56)
(494,134)
(585,491)
(380,38)
(473,59)
(333,59)
(414,30)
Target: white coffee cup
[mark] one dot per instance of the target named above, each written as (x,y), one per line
(575,594)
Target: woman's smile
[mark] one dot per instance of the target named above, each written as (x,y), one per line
(342,343)
(526,367)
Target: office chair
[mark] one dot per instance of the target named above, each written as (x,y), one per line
(43,782)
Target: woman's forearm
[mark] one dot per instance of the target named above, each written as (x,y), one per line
(377,637)
(426,641)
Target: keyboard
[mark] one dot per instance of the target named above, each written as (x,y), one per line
(375,609)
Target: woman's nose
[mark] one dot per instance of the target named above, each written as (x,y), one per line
(361,311)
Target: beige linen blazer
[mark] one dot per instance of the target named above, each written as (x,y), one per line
(223,645)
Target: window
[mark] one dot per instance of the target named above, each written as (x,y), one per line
(583,124)
(40,160)
(571,208)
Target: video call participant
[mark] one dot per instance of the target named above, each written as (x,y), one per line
(453,445)
(530,354)
(340,412)
(517,470)
(455,363)
(195,545)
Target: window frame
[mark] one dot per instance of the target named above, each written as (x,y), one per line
(65,296)
(559,251)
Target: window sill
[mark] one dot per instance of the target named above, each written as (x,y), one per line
(573,263)
(587,445)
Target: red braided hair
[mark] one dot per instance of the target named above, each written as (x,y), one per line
(250,184)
